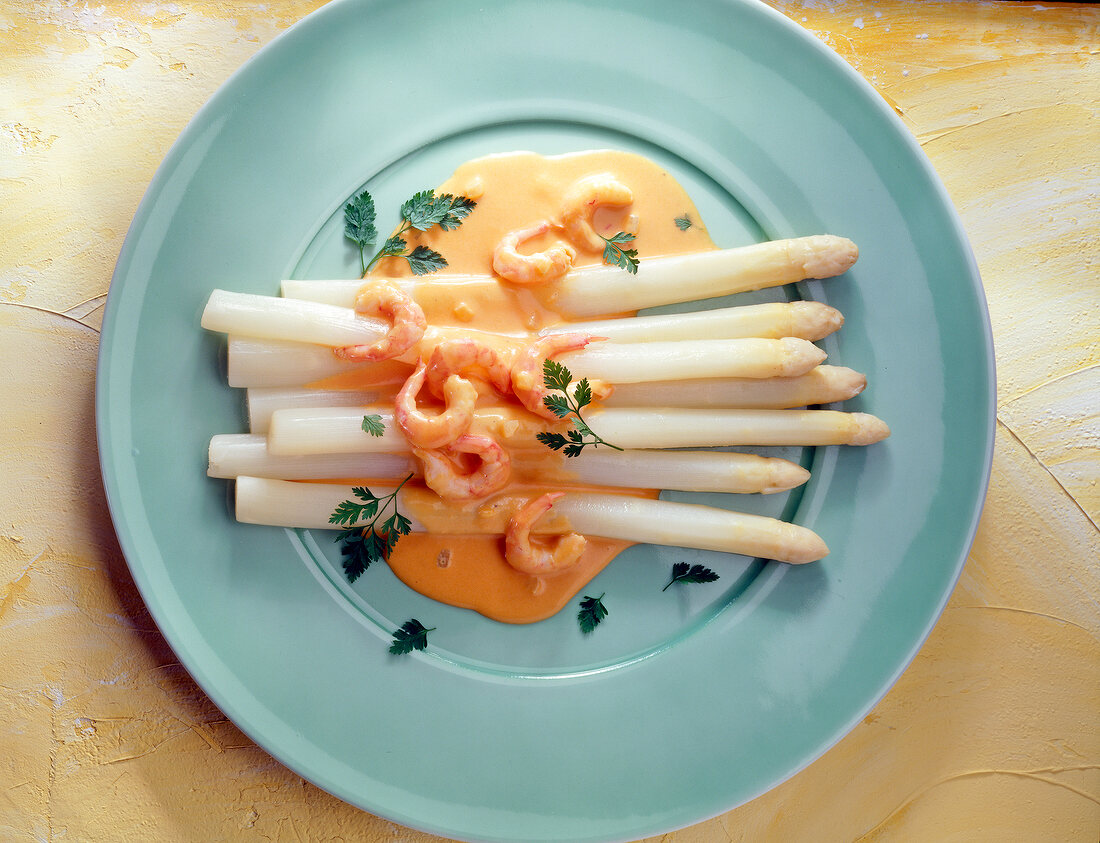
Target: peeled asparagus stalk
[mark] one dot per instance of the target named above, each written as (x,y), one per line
(256,362)
(821,385)
(808,320)
(747,357)
(231,455)
(704,275)
(308,505)
(263,401)
(591,291)
(269,317)
(324,430)
(260,362)
(673,427)
(285,320)
(342,292)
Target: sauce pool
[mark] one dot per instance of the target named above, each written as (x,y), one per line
(513,191)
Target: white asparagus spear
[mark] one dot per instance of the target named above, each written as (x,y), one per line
(673,427)
(746,357)
(286,320)
(265,362)
(286,503)
(273,363)
(808,320)
(263,401)
(234,454)
(821,385)
(342,292)
(270,317)
(590,291)
(323,430)
(253,362)
(704,275)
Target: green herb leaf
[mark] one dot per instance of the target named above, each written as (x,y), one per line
(421,212)
(591,613)
(393,247)
(615,255)
(425,210)
(411,636)
(423,260)
(683,222)
(553,441)
(362,546)
(683,572)
(558,379)
(417,211)
(373,425)
(555,375)
(558,405)
(583,395)
(359,225)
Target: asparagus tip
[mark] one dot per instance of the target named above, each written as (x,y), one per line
(869,429)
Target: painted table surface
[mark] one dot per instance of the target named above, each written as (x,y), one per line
(991,734)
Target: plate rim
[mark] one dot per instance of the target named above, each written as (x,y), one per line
(130,545)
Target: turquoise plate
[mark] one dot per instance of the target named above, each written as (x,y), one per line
(683,703)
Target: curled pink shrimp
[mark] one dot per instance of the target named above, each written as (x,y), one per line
(406,315)
(538,268)
(425,431)
(581,201)
(527,377)
(542,556)
(469,358)
(447,476)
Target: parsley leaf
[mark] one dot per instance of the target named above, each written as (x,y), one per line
(411,636)
(362,546)
(591,613)
(359,225)
(682,572)
(558,378)
(425,209)
(615,255)
(373,425)
(420,212)
(683,222)
(423,260)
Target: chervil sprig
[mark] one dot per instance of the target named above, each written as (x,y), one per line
(558,379)
(615,255)
(373,425)
(359,216)
(361,546)
(412,635)
(591,613)
(683,572)
(683,222)
(421,212)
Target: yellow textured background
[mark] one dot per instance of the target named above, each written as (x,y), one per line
(991,734)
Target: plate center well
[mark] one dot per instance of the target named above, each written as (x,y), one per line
(642,618)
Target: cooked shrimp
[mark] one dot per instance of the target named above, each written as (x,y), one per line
(538,268)
(469,358)
(540,556)
(445,474)
(527,377)
(424,431)
(581,202)
(407,316)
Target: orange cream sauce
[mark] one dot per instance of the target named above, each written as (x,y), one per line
(512,192)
